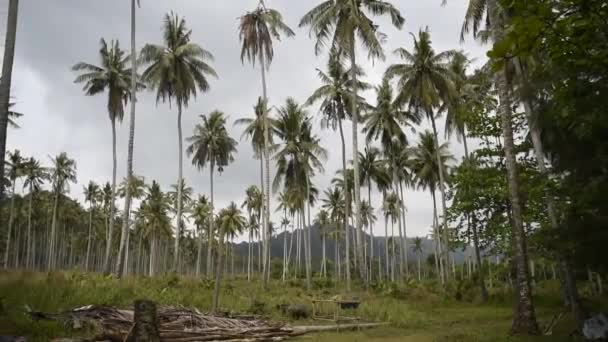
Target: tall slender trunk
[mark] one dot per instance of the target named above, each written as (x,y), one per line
(419,277)
(11,217)
(438,259)
(357,185)
(404,237)
(6,79)
(568,281)
(284,275)
(324,262)
(199,251)
(127,208)
(51,251)
(111,224)
(524,320)
(29,256)
(371,231)
(219,269)
(179,187)
(262,214)
(480,279)
(306,231)
(446,245)
(249,254)
(386,246)
(266,230)
(399,213)
(86,262)
(346,204)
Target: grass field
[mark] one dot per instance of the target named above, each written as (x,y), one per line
(415,312)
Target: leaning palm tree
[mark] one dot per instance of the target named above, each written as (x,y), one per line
(6,79)
(425,83)
(63,172)
(490,13)
(230,222)
(257,29)
(91,193)
(112,76)
(425,168)
(338,23)
(211,145)
(177,71)
(15,171)
(34,176)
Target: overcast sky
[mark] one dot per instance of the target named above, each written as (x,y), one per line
(54,35)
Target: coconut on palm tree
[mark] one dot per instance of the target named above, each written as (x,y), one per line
(177,71)
(230,222)
(338,23)
(257,30)
(63,172)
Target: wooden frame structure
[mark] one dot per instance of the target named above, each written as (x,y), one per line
(338,305)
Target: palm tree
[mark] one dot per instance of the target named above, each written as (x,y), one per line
(339,22)
(177,71)
(425,82)
(153,214)
(298,157)
(201,214)
(391,208)
(417,248)
(253,202)
(524,320)
(230,222)
(6,78)
(334,204)
(91,193)
(12,116)
(368,218)
(15,171)
(426,173)
(114,77)
(257,29)
(136,188)
(134,87)
(457,111)
(211,145)
(323,222)
(34,176)
(62,173)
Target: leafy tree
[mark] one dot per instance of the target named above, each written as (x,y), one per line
(177,71)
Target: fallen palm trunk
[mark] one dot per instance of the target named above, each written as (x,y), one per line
(185,325)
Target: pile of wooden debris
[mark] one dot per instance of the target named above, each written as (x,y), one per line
(181,325)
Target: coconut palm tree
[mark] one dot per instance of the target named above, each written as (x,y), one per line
(338,23)
(489,12)
(6,78)
(177,71)
(323,222)
(63,172)
(253,202)
(201,214)
(391,208)
(257,29)
(15,171)
(417,248)
(425,83)
(114,77)
(91,193)
(230,222)
(34,176)
(211,145)
(334,204)
(457,111)
(299,155)
(425,168)
(153,214)
(136,188)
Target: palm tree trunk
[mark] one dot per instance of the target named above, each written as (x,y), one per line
(30,241)
(386,245)
(284,275)
(218,272)
(438,259)
(266,230)
(51,251)
(11,216)
(524,320)
(568,281)
(446,245)
(324,262)
(125,215)
(179,187)
(199,251)
(111,224)
(371,231)
(419,264)
(346,204)
(86,262)
(399,213)
(211,217)
(6,79)
(306,231)
(249,254)
(262,214)
(357,192)
(480,279)
(404,237)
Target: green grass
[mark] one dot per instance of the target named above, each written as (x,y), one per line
(416,312)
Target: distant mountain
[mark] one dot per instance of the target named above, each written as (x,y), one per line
(276,247)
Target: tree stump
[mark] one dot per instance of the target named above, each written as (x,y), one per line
(146,322)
